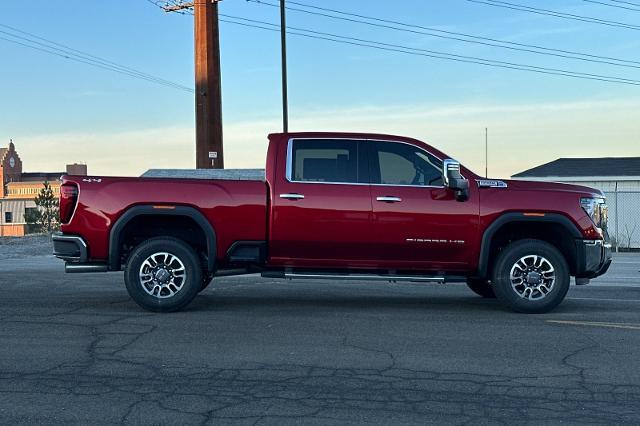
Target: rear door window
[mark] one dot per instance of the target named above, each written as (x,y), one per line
(327,161)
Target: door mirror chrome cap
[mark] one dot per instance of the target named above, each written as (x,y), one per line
(454,180)
(450,170)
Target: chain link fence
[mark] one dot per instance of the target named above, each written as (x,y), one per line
(624,218)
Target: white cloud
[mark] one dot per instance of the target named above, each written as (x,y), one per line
(520,136)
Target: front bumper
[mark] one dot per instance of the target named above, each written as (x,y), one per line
(593,258)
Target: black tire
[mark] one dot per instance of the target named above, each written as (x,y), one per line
(481,287)
(511,295)
(164,301)
(206,280)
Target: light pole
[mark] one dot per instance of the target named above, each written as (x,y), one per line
(486,152)
(283,49)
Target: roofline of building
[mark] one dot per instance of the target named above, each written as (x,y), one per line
(43,173)
(27,182)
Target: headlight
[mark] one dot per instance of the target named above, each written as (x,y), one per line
(589,206)
(597,210)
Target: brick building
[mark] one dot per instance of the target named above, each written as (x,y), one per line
(18,189)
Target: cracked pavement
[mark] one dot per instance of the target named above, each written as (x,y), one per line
(74,349)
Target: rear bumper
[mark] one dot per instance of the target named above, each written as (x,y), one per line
(70,248)
(593,258)
(73,250)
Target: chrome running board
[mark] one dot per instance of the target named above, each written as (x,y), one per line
(360,277)
(78,268)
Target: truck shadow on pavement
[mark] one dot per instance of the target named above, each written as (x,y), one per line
(340,296)
(392,303)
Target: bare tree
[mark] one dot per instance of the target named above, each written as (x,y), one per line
(627,234)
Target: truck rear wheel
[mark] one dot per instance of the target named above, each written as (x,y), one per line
(531,276)
(163,274)
(481,287)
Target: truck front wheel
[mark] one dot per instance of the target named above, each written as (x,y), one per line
(163,274)
(531,276)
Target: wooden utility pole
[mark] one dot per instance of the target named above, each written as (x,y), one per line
(209,149)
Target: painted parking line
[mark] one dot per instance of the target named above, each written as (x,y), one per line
(614,278)
(601,299)
(597,324)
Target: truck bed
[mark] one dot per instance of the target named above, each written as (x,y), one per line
(236,208)
(226,174)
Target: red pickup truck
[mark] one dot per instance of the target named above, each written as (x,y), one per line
(337,206)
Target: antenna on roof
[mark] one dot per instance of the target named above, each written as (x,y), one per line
(486,152)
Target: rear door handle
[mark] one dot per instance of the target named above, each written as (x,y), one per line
(292,196)
(388,199)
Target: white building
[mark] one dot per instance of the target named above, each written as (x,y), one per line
(618,178)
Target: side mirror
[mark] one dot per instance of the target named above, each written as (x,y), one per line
(454,180)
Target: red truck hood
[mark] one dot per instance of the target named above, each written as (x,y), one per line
(528,185)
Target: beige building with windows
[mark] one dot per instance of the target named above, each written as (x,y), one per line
(18,190)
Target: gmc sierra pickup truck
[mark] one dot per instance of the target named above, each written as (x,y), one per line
(337,206)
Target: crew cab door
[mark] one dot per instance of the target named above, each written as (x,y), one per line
(417,221)
(321,205)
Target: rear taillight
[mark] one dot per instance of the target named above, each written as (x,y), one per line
(68,200)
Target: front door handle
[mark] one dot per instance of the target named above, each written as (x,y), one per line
(292,196)
(388,199)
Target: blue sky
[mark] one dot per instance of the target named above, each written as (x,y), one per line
(61,111)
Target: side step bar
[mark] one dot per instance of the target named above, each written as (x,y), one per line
(76,268)
(232,272)
(361,277)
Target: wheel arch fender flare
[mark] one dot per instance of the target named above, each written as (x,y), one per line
(149,210)
(518,217)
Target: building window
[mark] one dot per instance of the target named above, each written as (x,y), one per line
(8,217)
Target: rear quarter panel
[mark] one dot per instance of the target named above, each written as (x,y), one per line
(235,209)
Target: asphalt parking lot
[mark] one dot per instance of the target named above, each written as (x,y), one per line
(76,349)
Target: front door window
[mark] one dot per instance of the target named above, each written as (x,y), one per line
(402,164)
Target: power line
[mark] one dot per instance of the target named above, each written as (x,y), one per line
(547,12)
(618,6)
(105,64)
(174,6)
(67,57)
(424,52)
(420,52)
(62,55)
(451,35)
(625,2)
(57,49)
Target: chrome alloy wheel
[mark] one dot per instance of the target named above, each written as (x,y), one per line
(532,277)
(162,275)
